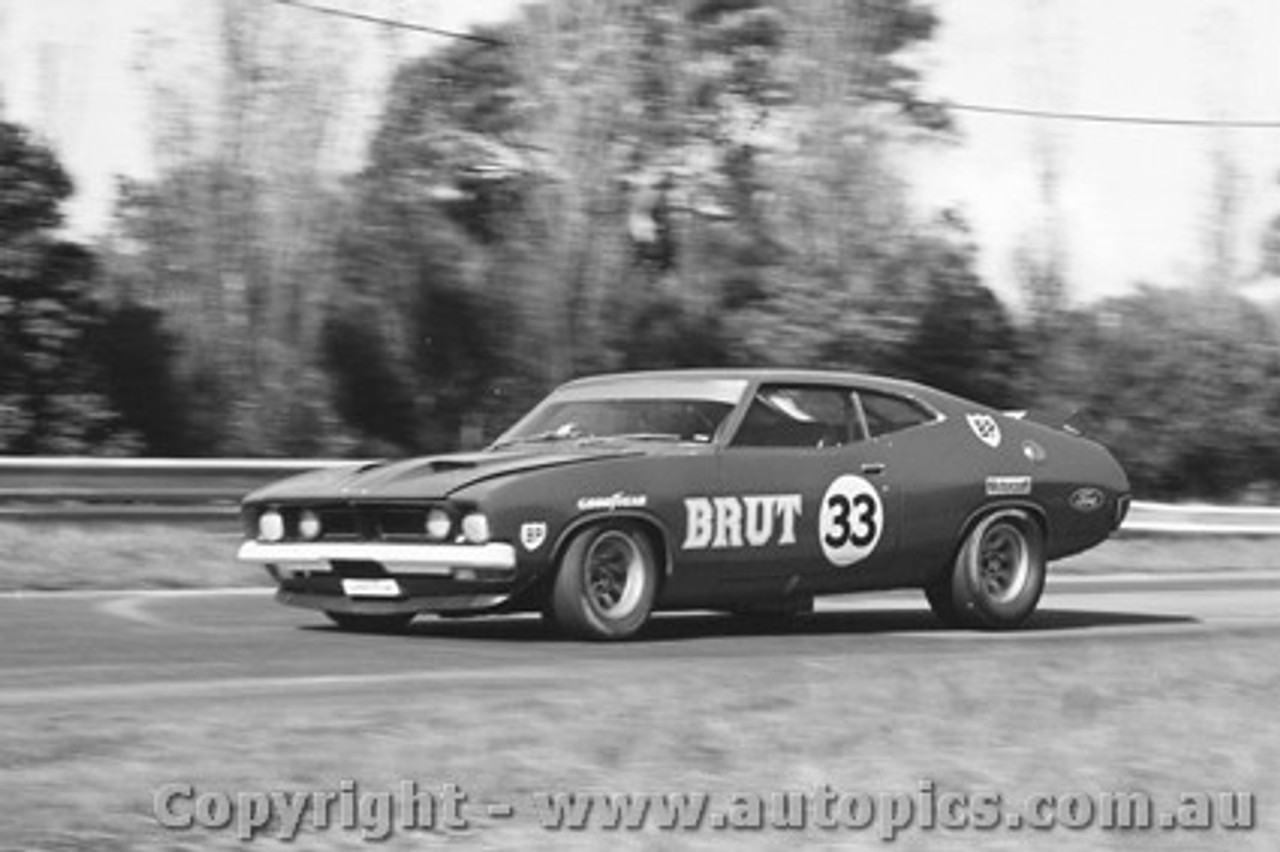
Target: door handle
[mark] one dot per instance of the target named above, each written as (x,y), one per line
(873,468)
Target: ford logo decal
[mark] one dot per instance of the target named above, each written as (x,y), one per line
(1087,499)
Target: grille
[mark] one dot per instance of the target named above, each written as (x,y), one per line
(400,524)
(364,522)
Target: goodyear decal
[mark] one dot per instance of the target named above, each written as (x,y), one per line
(1008,486)
(720,523)
(986,428)
(613,502)
(851,522)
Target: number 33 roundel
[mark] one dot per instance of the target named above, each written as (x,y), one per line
(851,521)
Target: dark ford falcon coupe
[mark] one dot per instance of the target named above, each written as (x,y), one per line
(749,491)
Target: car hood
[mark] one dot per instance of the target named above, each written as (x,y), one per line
(431,477)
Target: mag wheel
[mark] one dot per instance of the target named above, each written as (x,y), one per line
(370,623)
(605,586)
(998,575)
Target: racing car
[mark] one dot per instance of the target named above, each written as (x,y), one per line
(747,491)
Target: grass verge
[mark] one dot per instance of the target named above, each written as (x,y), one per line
(109,555)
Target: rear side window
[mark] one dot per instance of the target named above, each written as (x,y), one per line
(886,413)
(798,416)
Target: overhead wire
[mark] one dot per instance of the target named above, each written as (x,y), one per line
(390,22)
(937,103)
(1097,117)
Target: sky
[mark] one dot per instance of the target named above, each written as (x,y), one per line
(1131,202)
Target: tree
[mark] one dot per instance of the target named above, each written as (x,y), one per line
(1270,246)
(231,245)
(411,344)
(136,355)
(964,341)
(634,184)
(1180,384)
(239,297)
(50,398)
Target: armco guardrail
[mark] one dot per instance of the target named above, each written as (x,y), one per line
(153,489)
(82,488)
(1197,519)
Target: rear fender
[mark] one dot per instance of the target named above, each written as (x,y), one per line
(975,517)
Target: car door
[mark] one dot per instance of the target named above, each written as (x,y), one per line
(933,485)
(806,502)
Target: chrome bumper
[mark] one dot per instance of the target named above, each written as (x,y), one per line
(440,560)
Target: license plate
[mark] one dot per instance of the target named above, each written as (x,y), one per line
(359,588)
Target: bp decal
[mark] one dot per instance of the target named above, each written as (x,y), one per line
(851,521)
(986,429)
(533,534)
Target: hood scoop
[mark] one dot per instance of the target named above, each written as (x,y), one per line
(379,473)
(446,465)
(426,478)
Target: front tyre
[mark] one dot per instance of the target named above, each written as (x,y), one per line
(394,623)
(606,582)
(998,575)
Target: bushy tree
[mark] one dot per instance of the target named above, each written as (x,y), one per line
(230,247)
(136,355)
(411,342)
(51,400)
(1182,385)
(239,301)
(963,339)
(627,185)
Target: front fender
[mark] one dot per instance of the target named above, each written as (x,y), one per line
(649,519)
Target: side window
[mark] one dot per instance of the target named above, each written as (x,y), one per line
(798,416)
(886,413)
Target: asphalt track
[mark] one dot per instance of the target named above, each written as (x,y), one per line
(95,647)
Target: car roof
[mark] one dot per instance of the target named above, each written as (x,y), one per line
(777,374)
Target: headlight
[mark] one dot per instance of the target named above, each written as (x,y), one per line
(271,526)
(439,524)
(309,526)
(475,528)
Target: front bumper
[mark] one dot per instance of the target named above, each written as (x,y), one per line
(407,578)
(432,560)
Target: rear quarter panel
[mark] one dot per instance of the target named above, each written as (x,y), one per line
(950,477)
(1075,466)
(942,470)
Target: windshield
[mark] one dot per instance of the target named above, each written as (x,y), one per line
(616,414)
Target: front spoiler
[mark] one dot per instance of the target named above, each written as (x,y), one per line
(412,559)
(371,606)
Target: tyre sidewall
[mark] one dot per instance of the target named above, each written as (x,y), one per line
(973,606)
(571,605)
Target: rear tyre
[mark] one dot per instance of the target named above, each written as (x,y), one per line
(370,623)
(606,583)
(998,575)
